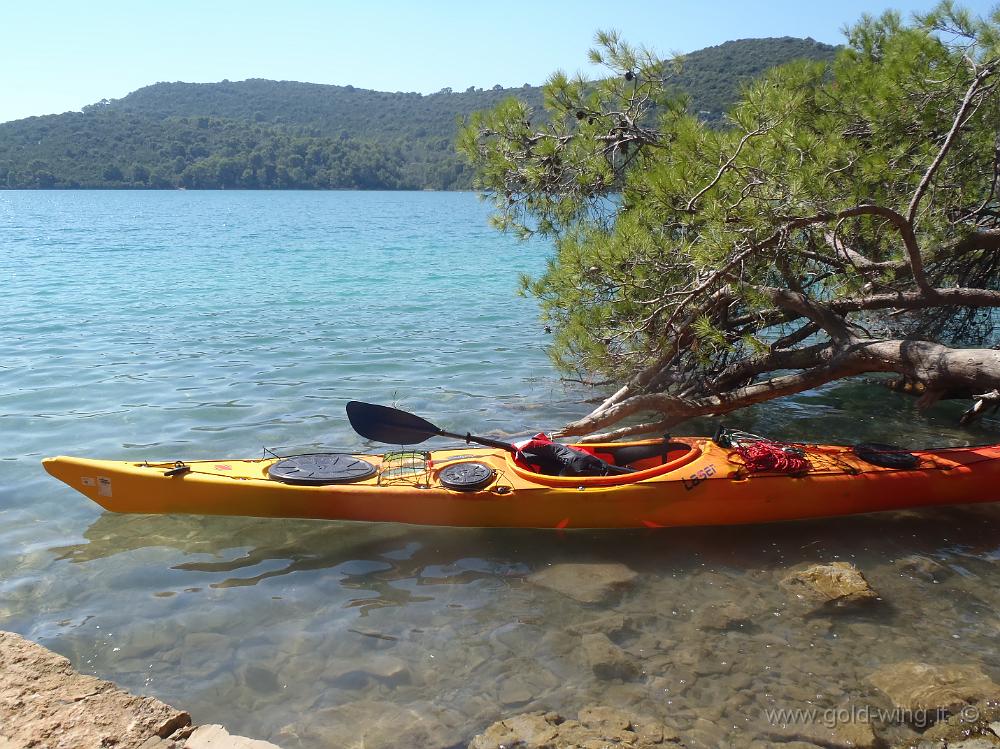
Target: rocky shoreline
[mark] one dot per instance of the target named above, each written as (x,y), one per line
(45,704)
(915,704)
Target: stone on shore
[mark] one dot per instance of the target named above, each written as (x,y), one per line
(921,689)
(217,737)
(588,582)
(835,583)
(45,703)
(602,727)
(959,731)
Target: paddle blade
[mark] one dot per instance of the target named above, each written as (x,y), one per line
(389,425)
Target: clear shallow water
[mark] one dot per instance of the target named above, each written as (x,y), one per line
(167,325)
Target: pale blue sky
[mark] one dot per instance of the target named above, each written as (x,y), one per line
(58,55)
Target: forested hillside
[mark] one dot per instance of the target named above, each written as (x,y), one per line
(282,134)
(712,76)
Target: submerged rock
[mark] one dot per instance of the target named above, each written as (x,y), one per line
(384,668)
(858,735)
(607,660)
(834,583)
(919,566)
(851,734)
(602,727)
(924,691)
(373,724)
(727,617)
(589,582)
(610,624)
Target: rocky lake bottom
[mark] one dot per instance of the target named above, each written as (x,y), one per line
(425,636)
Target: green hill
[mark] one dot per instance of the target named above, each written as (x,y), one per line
(712,76)
(251,134)
(283,134)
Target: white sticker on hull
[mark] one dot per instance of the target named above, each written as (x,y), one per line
(105,486)
(88,481)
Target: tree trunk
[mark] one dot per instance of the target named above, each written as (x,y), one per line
(939,368)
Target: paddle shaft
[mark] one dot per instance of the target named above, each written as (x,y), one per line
(479,440)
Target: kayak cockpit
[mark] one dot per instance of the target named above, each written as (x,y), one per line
(638,461)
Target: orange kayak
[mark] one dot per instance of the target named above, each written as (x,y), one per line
(676,482)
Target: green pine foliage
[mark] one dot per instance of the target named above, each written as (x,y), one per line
(682,243)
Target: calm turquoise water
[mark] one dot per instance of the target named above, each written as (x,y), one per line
(177,325)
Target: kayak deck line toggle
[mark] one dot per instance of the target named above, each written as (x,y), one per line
(180,468)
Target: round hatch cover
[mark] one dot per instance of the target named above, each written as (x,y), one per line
(466,477)
(321,468)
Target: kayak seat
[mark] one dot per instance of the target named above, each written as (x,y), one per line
(554,459)
(628,454)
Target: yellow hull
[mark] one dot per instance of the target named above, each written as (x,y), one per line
(699,484)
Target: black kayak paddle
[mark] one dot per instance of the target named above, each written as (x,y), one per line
(395,427)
